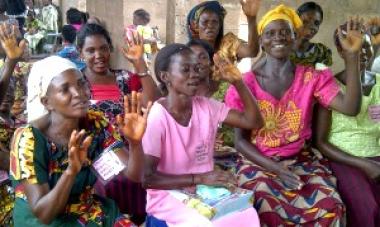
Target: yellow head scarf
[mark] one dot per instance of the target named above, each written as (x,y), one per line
(281,12)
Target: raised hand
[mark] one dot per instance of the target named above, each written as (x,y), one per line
(373,29)
(133,123)
(78,151)
(135,48)
(9,43)
(225,70)
(250,7)
(353,40)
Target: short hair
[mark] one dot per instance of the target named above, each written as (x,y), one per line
(91,30)
(310,6)
(163,60)
(204,44)
(69,33)
(74,16)
(142,13)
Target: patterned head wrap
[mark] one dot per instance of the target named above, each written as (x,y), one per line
(195,13)
(41,74)
(281,12)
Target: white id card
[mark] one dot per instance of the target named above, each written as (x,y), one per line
(108,165)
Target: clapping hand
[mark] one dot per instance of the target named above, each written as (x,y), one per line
(78,151)
(134,121)
(9,42)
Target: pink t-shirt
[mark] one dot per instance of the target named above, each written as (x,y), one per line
(287,122)
(182,149)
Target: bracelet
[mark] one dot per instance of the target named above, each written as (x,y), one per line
(143,74)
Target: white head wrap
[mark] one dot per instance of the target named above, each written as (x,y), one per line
(41,74)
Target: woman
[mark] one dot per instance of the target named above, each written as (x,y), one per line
(308,53)
(291,183)
(8,124)
(54,158)
(351,144)
(180,138)
(108,87)
(205,22)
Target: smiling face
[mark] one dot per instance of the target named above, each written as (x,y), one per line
(209,25)
(96,52)
(183,75)
(277,39)
(311,22)
(68,95)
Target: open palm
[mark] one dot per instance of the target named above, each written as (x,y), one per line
(135,48)
(353,40)
(134,121)
(9,43)
(250,7)
(225,70)
(373,28)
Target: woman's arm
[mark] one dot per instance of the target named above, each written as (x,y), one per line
(154,179)
(250,118)
(250,8)
(13,51)
(243,145)
(47,204)
(323,125)
(350,102)
(134,160)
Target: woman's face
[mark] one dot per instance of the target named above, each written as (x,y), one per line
(68,95)
(205,63)
(183,75)
(209,26)
(311,22)
(96,52)
(277,39)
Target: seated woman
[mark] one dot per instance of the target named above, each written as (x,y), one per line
(352,145)
(180,138)
(54,158)
(108,88)
(292,184)
(308,53)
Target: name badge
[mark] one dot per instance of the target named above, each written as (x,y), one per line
(108,165)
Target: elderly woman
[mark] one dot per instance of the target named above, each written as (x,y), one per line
(55,157)
(292,183)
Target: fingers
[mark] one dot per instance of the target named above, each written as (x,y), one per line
(119,120)
(22,44)
(126,105)
(86,143)
(72,138)
(134,102)
(139,103)
(147,110)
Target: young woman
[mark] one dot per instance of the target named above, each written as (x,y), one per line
(291,183)
(352,144)
(179,141)
(308,53)
(52,158)
(108,87)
